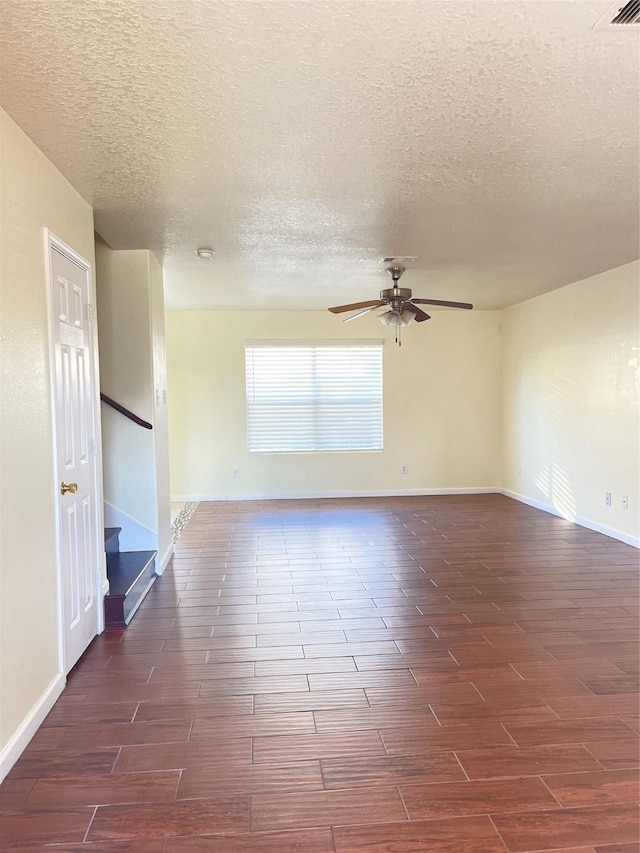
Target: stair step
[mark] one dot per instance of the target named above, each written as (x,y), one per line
(125,568)
(111,540)
(130,574)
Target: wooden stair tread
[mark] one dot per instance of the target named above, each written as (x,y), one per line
(125,568)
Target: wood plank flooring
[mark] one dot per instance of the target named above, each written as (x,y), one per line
(439,674)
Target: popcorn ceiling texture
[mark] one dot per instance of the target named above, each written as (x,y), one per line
(305,140)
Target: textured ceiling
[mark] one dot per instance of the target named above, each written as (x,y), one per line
(498,141)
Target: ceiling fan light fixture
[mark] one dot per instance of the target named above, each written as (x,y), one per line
(396,318)
(385,318)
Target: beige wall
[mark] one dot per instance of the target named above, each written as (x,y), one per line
(441,406)
(161,420)
(133,372)
(126,369)
(33,195)
(571,383)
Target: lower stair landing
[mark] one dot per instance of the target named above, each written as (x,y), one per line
(130,574)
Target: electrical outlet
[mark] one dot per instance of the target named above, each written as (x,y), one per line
(405,469)
(607,498)
(235,473)
(624,500)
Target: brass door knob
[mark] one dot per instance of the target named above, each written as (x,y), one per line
(68,487)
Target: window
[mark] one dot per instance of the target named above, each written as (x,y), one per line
(322,395)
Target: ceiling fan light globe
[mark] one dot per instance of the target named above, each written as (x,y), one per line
(391,318)
(407,317)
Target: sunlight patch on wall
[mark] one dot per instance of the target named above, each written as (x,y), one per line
(554,484)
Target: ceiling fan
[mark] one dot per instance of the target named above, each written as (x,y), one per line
(403,309)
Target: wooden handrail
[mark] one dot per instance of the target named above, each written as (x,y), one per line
(125,412)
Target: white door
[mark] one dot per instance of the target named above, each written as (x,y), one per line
(73,352)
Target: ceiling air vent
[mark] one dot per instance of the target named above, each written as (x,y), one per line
(402,260)
(620,15)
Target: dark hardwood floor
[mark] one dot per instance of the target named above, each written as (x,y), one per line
(441,674)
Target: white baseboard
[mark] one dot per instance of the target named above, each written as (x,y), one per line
(378,493)
(162,564)
(583,522)
(30,725)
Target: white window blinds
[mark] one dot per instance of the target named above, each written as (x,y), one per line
(314,396)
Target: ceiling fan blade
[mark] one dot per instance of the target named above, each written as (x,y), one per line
(373,303)
(360,313)
(420,314)
(442,302)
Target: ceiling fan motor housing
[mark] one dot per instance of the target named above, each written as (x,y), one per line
(396,296)
(396,293)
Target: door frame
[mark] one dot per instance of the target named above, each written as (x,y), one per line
(100,580)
